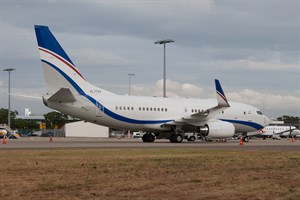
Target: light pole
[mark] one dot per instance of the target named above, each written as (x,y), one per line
(164,42)
(9,70)
(129,86)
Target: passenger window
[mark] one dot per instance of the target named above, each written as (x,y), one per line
(116,107)
(154,109)
(131,108)
(128,108)
(140,108)
(158,109)
(150,109)
(120,107)
(165,109)
(147,109)
(124,108)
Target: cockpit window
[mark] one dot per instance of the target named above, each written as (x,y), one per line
(259,112)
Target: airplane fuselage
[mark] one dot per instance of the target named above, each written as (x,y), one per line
(150,113)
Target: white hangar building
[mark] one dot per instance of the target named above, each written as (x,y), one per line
(85,129)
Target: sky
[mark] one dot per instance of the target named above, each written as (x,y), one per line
(251,46)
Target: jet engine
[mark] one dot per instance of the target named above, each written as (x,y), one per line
(218,129)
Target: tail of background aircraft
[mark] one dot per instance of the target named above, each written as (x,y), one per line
(59,71)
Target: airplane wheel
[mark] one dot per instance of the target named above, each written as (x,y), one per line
(178,138)
(148,137)
(151,137)
(246,139)
(192,138)
(145,137)
(173,138)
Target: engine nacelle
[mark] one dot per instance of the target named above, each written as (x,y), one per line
(217,129)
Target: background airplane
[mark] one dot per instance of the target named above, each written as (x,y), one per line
(282,131)
(70,93)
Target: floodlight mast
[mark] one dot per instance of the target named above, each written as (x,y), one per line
(9,70)
(164,42)
(129,84)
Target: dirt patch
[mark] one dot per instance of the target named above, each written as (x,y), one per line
(149,174)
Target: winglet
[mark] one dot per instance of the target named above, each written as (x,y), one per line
(222,100)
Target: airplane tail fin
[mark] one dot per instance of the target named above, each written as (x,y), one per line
(59,70)
(222,100)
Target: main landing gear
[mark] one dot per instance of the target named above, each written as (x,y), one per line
(177,135)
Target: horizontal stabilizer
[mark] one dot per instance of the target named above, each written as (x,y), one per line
(63,95)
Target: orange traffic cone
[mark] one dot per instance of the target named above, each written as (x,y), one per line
(293,139)
(4,140)
(50,138)
(241,141)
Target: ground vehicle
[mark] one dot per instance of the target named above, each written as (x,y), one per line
(137,135)
(3,132)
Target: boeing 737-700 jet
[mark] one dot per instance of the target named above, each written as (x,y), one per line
(70,93)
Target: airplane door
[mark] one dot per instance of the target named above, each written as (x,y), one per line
(185,111)
(99,109)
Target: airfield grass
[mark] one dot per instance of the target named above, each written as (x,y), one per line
(149,174)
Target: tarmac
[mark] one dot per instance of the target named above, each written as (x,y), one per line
(284,144)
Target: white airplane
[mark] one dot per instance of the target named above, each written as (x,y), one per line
(282,131)
(70,93)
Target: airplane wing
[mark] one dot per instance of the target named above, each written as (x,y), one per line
(285,131)
(205,115)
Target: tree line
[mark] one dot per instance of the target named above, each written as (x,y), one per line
(53,120)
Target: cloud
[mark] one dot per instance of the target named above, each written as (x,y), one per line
(93,57)
(271,103)
(254,65)
(174,89)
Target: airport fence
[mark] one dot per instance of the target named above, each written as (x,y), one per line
(53,132)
